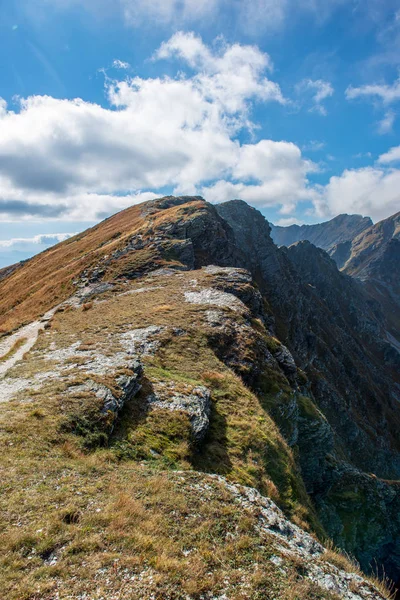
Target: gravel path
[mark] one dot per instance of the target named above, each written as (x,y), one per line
(30,334)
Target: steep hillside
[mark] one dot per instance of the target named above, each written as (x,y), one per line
(373,252)
(169,356)
(342,228)
(374,258)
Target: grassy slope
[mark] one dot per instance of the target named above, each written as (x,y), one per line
(47,279)
(49,475)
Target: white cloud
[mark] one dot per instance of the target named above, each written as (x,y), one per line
(268,173)
(73,159)
(76,160)
(231,75)
(371,191)
(387,93)
(120,64)
(389,157)
(320,90)
(386,124)
(42,239)
(382,94)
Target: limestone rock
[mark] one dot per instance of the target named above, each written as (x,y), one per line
(194,401)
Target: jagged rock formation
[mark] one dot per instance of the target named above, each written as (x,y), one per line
(373,257)
(339,230)
(185,338)
(373,253)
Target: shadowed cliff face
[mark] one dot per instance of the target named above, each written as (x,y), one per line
(305,345)
(373,257)
(336,333)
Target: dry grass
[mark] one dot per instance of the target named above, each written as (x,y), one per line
(20,342)
(115,522)
(47,279)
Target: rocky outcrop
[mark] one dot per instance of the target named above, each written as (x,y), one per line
(128,385)
(292,542)
(374,259)
(193,401)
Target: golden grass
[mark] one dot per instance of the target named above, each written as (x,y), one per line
(15,347)
(47,279)
(115,521)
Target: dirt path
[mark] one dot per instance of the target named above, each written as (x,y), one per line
(29,333)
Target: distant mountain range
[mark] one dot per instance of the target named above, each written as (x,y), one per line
(323,235)
(369,252)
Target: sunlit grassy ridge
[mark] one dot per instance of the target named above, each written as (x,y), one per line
(47,279)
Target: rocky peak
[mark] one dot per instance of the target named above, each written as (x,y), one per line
(369,248)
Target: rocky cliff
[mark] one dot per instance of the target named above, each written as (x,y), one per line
(173,341)
(373,257)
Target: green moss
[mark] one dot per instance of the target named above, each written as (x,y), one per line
(164,435)
(272,343)
(89,423)
(308,409)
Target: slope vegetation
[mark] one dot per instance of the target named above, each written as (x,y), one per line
(185,356)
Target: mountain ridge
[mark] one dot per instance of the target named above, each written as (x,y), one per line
(185,338)
(340,229)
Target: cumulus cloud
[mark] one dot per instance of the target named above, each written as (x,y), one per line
(372,191)
(265,174)
(231,75)
(320,90)
(74,159)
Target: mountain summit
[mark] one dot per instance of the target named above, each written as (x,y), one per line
(189,411)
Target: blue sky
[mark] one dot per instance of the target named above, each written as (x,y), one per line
(291,105)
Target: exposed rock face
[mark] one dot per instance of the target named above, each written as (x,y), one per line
(374,259)
(128,386)
(341,229)
(371,250)
(301,545)
(194,401)
(330,324)
(313,305)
